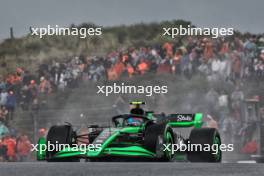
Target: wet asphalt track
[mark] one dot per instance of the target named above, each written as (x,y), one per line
(129,169)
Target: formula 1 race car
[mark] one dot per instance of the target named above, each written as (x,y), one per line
(139,135)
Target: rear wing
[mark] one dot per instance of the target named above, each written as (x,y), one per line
(185,120)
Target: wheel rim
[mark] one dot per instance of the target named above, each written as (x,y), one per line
(169,140)
(219,153)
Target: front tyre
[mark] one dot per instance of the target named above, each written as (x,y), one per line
(156,136)
(62,134)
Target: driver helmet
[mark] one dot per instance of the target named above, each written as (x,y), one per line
(137,109)
(133,121)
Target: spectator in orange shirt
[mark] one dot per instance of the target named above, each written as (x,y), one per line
(142,67)
(130,70)
(208,49)
(10,144)
(168,48)
(23,148)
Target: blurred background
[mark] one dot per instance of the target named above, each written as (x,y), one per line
(53,80)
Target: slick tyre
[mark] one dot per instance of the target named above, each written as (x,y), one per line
(206,137)
(63,134)
(156,135)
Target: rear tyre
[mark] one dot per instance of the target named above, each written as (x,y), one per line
(63,134)
(156,135)
(206,137)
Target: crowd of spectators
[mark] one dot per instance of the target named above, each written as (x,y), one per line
(15,148)
(216,59)
(233,60)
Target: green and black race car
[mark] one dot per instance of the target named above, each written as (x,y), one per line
(139,135)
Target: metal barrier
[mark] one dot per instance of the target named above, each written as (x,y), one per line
(31,121)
